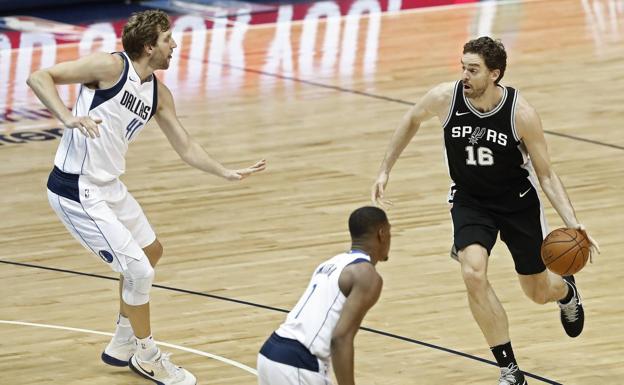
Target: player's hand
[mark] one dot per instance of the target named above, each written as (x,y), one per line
(377,193)
(87,125)
(245,172)
(594,248)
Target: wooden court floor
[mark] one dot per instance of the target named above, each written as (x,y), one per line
(320,102)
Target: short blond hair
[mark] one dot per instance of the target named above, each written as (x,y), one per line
(142,29)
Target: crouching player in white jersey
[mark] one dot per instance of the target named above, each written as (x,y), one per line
(119,94)
(322,325)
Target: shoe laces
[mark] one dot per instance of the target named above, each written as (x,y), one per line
(174,370)
(508,375)
(570,309)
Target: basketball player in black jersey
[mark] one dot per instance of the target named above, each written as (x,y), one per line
(495,147)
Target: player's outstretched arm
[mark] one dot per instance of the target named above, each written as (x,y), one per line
(435,100)
(90,70)
(189,150)
(529,128)
(362,285)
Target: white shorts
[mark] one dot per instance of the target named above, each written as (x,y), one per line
(104,218)
(275,373)
(283,361)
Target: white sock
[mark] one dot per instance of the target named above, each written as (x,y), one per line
(123,331)
(147,349)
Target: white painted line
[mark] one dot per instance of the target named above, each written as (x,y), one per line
(178,347)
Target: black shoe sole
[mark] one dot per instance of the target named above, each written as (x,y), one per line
(112,361)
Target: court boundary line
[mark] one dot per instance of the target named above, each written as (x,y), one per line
(371,330)
(167,344)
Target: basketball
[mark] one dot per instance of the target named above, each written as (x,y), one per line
(565,251)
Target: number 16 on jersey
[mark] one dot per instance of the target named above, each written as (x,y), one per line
(484,156)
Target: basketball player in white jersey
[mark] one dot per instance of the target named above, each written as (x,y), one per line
(494,146)
(118,95)
(322,325)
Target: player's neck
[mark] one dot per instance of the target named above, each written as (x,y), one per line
(488,100)
(358,249)
(142,68)
(362,247)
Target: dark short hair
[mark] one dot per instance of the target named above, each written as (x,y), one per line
(366,220)
(492,51)
(143,29)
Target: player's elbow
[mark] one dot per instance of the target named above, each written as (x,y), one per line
(187,157)
(341,340)
(32,79)
(545,174)
(336,344)
(188,152)
(546,180)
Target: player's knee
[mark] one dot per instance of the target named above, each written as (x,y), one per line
(138,284)
(474,278)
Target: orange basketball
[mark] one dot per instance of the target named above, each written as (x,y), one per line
(565,251)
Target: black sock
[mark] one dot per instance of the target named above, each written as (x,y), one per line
(568,296)
(504,355)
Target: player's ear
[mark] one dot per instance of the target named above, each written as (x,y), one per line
(495,74)
(381,232)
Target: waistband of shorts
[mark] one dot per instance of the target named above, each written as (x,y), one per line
(289,352)
(65,175)
(64,184)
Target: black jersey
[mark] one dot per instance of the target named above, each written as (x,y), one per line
(484,154)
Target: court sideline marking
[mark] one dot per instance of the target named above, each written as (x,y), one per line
(375,331)
(178,347)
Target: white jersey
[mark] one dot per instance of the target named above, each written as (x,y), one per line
(124,109)
(314,317)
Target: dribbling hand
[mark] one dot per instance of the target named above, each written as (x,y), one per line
(87,125)
(245,172)
(594,248)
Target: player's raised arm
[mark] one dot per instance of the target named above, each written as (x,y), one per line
(432,103)
(189,150)
(529,127)
(362,285)
(98,70)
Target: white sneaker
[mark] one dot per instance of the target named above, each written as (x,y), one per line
(162,371)
(118,354)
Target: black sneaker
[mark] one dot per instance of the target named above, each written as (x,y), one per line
(572,314)
(512,375)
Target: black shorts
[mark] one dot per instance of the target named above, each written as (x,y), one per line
(518,215)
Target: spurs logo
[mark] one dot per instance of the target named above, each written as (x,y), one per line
(476,135)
